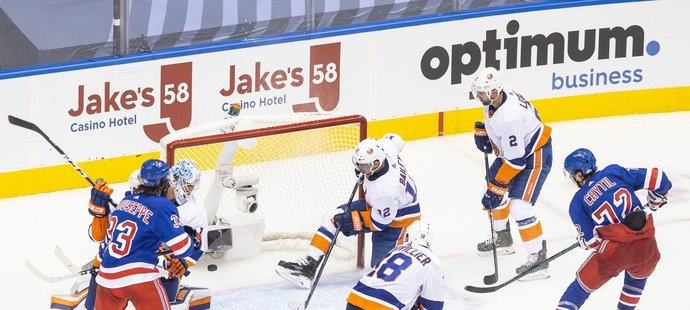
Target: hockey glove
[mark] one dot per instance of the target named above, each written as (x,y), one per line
(194,235)
(494,194)
(581,242)
(655,200)
(481,138)
(351,223)
(176,267)
(100,196)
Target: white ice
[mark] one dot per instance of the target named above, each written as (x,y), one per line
(449,174)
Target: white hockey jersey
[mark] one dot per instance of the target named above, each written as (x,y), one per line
(193,214)
(391,193)
(410,274)
(515,131)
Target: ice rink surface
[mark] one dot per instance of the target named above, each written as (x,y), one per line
(449,175)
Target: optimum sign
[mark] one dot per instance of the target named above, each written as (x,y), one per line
(463,59)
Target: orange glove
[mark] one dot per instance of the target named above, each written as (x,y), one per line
(176,267)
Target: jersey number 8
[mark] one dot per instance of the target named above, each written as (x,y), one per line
(390,269)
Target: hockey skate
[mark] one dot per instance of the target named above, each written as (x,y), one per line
(301,272)
(504,243)
(542,272)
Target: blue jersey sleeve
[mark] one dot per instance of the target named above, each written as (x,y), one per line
(170,231)
(584,224)
(652,179)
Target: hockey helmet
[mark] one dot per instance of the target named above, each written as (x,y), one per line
(366,155)
(184,178)
(134,180)
(419,232)
(582,160)
(487,80)
(396,140)
(153,171)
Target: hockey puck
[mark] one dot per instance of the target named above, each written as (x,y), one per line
(212,267)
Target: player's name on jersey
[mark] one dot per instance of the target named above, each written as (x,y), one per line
(598,189)
(110,123)
(412,252)
(136,209)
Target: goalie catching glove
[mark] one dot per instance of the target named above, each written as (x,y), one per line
(100,197)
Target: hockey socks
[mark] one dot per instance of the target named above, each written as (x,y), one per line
(573,298)
(631,293)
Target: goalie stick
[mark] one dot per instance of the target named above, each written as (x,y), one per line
(68,263)
(295,305)
(53,279)
(489,289)
(31,126)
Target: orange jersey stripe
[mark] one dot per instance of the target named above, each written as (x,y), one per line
(99,226)
(320,243)
(531,232)
(359,301)
(533,177)
(506,173)
(501,212)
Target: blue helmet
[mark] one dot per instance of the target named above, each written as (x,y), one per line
(580,160)
(153,171)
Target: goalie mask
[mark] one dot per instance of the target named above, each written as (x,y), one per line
(184,179)
(485,83)
(368,156)
(419,232)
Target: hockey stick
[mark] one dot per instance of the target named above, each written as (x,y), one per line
(69,264)
(492,278)
(301,306)
(50,279)
(490,289)
(31,126)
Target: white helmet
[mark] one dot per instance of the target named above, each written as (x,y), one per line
(184,178)
(396,139)
(367,152)
(134,180)
(419,232)
(487,80)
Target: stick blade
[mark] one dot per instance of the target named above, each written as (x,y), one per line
(295,305)
(481,290)
(491,279)
(22,123)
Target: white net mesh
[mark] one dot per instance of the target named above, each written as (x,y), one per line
(302,173)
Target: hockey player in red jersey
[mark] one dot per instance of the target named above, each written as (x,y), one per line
(140,223)
(610,220)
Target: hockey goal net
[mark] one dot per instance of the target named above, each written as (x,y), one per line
(302,161)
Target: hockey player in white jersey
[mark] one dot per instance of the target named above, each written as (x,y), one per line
(522,144)
(409,277)
(389,206)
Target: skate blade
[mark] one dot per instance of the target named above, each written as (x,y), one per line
(300,281)
(499,251)
(537,275)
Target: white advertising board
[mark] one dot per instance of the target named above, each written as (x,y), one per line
(124,109)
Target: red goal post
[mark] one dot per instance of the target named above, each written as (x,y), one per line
(302,160)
